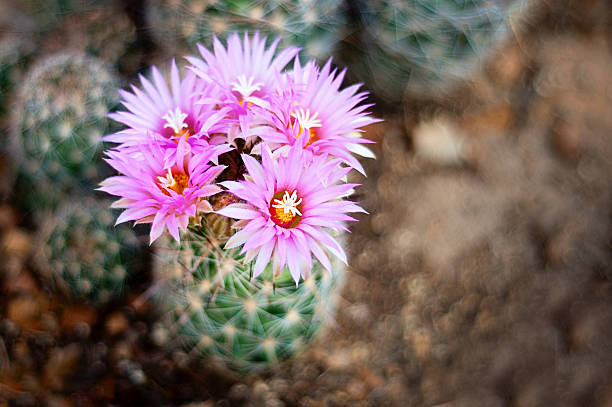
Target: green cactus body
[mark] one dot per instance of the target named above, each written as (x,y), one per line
(48,14)
(61,111)
(104,32)
(219,310)
(15,53)
(429,46)
(314,25)
(97,27)
(84,253)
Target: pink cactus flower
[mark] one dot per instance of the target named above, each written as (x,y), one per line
(166,196)
(171,116)
(318,115)
(289,205)
(245,74)
(305,127)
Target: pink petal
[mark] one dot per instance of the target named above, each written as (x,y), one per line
(239,211)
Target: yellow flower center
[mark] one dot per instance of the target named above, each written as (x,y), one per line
(183,132)
(285,209)
(241,102)
(312,136)
(176,181)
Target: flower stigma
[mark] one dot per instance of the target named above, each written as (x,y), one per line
(307,122)
(175,181)
(245,87)
(175,120)
(286,212)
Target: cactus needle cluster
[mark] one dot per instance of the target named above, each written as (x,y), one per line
(216,308)
(86,256)
(61,107)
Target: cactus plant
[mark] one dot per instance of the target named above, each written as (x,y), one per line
(270,177)
(48,14)
(15,53)
(84,253)
(315,25)
(218,309)
(61,109)
(100,28)
(427,46)
(104,32)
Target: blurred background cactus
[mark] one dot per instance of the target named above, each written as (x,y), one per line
(82,251)
(105,32)
(49,14)
(217,309)
(416,46)
(425,47)
(317,26)
(59,118)
(15,54)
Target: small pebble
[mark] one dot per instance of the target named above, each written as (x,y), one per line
(116,323)
(566,138)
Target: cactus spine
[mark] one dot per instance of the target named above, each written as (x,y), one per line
(15,53)
(429,46)
(314,25)
(84,253)
(248,324)
(61,109)
(104,32)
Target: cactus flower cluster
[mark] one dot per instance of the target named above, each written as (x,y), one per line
(275,137)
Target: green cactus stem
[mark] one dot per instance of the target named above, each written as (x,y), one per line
(219,310)
(314,25)
(60,117)
(426,47)
(84,254)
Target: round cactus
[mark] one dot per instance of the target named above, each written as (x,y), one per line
(104,32)
(61,109)
(314,25)
(84,253)
(218,309)
(426,46)
(15,53)
(50,13)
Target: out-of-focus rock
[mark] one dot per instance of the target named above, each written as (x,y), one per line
(22,283)
(16,242)
(8,218)
(77,315)
(565,136)
(24,311)
(440,141)
(116,323)
(60,364)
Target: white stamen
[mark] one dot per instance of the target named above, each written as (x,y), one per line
(289,203)
(305,120)
(175,120)
(167,181)
(246,87)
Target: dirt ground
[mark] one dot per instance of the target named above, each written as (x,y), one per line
(481,277)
